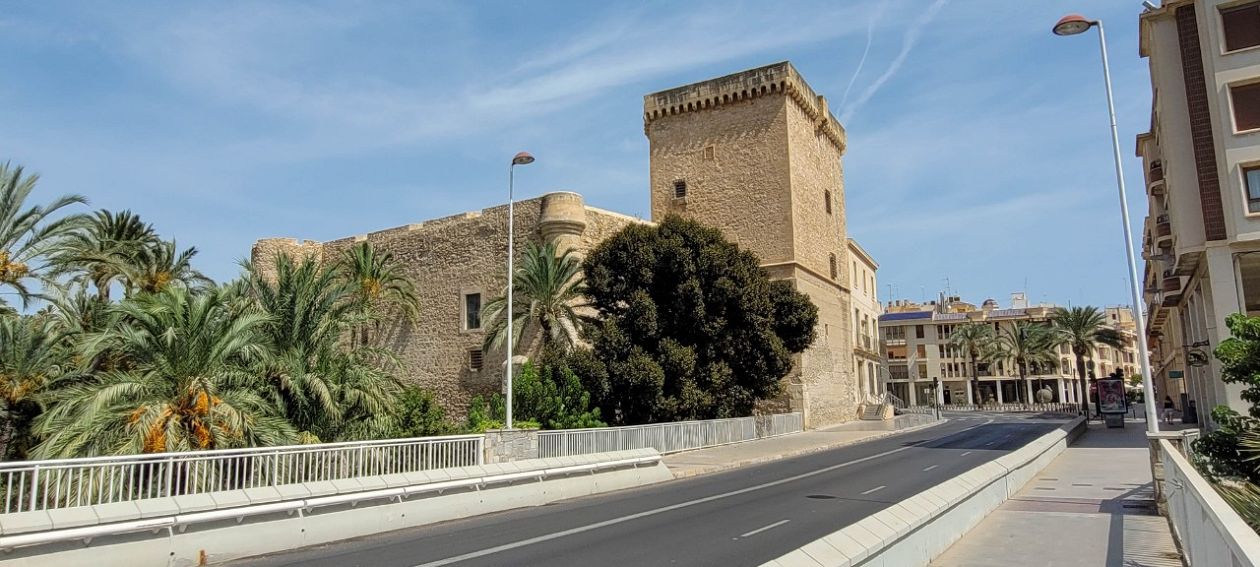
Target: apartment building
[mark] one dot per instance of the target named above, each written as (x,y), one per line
(1201,157)
(917,347)
(867,359)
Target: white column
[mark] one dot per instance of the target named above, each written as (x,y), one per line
(970,394)
(1028,388)
(1062,392)
(1225,299)
(997,386)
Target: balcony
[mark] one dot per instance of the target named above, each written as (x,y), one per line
(1171,282)
(1163,228)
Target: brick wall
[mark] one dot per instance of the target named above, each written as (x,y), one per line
(1200,116)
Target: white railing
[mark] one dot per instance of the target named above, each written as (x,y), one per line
(777,424)
(1209,530)
(664,437)
(64,483)
(1065,408)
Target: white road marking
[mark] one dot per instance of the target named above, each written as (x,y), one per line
(989,443)
(930,468)
(876,489)
(644,514)
(965,454)
(762,529)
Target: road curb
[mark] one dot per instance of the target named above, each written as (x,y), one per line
(710,469)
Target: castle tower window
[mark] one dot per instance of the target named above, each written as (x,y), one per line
(475,359)
(827,201)
(472,311)
(680,188)
(834,271)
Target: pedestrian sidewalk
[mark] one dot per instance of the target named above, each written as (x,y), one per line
(713,459)
(1092,506)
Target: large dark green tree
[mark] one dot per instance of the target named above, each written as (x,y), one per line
(690,326)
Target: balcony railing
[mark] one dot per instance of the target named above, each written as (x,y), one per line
(1171,282)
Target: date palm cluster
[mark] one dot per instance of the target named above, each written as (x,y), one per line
(111,342)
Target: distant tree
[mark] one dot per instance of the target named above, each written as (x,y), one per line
(690,327)
(29,234)
(975,340)
(32,356)
(1083,329)
(548,294)
(1027,344)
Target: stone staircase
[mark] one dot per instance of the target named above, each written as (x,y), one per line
(876,412)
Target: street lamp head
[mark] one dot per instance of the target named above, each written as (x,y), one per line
(1073,24)
(522,158)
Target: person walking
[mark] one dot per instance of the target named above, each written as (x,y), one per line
(1169,409)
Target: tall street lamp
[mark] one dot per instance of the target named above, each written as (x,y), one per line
(522,158)
(1074,24)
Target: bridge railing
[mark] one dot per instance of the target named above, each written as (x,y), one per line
(1209,530)
(667,437)
(1055,407)
(64,483)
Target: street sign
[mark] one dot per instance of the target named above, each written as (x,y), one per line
(1176,374)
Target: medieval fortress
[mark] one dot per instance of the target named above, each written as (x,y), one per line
(756,154)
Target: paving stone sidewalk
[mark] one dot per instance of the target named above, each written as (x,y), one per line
(1092,506)
(714,459)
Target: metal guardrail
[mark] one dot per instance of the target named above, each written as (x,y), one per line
(781,424)
(64,483)
(1065,408)
(1209,530)
(178,521)
(666,437)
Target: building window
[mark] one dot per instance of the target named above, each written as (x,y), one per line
(475,359)
(1241,25)
(709,153)
(680,188)
(1251,180)
(834,271)
(918,331)
(827,201)
(472,311)
(1246,106)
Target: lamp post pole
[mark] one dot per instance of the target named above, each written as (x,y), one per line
(521,158)
(1073,24)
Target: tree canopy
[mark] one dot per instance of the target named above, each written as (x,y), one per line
(689,326)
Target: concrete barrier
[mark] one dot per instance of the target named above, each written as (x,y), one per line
(193,533)
(920,528)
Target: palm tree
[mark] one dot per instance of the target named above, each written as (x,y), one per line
(1027,344)
(1083,329)
(32,354)
(548,293)
(102,253)
(975,340)
(28,235)
(326,391)
(186,386)
(159,265)
(376,281)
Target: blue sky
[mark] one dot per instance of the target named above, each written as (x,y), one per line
(978,141)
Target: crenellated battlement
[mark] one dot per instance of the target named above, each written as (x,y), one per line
(779,79)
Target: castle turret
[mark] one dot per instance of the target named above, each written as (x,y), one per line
(563,219)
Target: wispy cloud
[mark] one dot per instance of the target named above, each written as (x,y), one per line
(907,44)
(870,35)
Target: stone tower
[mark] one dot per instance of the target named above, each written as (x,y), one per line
(757,154)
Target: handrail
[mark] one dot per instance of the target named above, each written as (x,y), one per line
(1209,530)
(64,483)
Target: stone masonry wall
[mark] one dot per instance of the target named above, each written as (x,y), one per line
(445,259)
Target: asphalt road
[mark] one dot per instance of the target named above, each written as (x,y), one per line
(742,517)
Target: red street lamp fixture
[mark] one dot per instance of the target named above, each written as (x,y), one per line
(522,158)
(1073,24)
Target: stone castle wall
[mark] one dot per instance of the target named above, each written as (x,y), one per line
(447,258)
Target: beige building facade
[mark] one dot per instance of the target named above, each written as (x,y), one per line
(1202,162)
(867,360)
(917,347)
(756,154)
